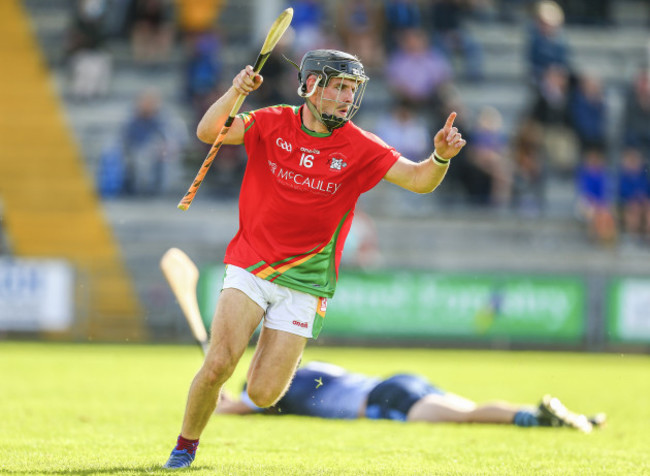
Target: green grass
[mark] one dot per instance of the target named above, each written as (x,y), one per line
(102,409)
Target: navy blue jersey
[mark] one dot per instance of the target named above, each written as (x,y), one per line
(324,390)
(328,391)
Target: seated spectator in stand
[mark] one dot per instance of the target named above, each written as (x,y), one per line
(415,71)
(202,71)
(551,110)
(528,175)
(360,26)
(152,144)
(488,153)
(594,197)
(152,31)
(90,62)
(310,18)
(636,120)
(589,113)
(452,37)
(634,194)
(547,45)
(407,131)
(279,75)
(400,15)
(196,17)
(328,391)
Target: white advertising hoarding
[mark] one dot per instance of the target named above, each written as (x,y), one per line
(36,294)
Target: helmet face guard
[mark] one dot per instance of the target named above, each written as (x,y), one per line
(327,65)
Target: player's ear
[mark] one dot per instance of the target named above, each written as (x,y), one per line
(311,79)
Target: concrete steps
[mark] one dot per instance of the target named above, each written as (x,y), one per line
(50,206)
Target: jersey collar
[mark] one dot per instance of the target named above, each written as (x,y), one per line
(308,131)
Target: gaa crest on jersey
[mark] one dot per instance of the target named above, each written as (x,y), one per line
(283,144)
(337,163)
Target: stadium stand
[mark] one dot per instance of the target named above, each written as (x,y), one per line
(447,236)
(50,206)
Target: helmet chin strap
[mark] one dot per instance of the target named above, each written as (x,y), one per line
(329,121)
(315,113)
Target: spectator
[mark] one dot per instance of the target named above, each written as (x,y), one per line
(489,155)
(309,21)
(484,174)
(637,113)
(589,113)
(152,31)
(202,70)
(279,75)
(551,110)
(360,25)
(450,34)
(547,45)
(89,60)
(152,144)
(400,15)
(529,174)
(407,131)
(594,198)
(196,17)
(634,194)
(415,71)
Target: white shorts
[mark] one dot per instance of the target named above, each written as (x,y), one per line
(285,309)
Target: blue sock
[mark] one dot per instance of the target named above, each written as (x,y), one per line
(525,418)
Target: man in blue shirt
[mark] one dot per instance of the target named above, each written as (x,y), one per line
(328,391)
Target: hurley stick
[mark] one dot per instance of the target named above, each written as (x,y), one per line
(182,276)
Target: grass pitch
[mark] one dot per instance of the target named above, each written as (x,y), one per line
(103,409)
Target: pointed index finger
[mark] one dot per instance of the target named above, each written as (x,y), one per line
(450,121)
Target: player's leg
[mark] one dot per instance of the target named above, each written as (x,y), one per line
(441,408)
(275,361)
(235,320)
(291,318)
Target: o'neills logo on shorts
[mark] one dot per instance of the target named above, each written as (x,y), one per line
(300,181)
(300,324)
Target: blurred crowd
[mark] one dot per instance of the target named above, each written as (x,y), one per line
(421,52)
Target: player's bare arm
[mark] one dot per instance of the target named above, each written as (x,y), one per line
(214,118)
(425,176)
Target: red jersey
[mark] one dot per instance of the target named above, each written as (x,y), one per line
(298,197)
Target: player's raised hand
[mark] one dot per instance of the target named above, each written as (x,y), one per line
(247,81)
(448,141)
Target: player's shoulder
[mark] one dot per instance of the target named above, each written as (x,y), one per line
(359,133)
(367,135)
(268,115)
(277,110)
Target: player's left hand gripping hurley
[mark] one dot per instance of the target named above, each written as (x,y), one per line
(276,31)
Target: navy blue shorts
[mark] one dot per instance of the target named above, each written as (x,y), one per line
(393,398)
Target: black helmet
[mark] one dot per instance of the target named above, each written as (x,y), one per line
(328,64)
